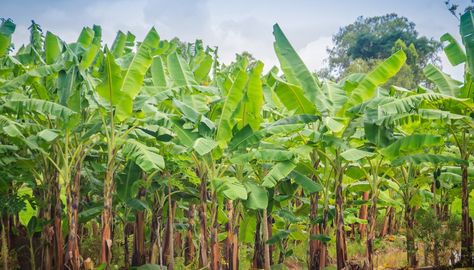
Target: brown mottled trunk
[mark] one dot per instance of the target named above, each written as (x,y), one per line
(59,240)
(446,212)
(314,245)
(155,239)
(95,229)
(257,260)
(341,251)
(386,222)
(235,244)
(410,224)
(106,247)
(391,222)
(168,243)
(138,256)
(73,258)
(215,250)
(44,213)
(266,247)
(363,215)
(48,232)
(107,216)
(371,233)
(58,248)
(171,210)
(178,244)
(270,232)
(229,242)
(323,258)
(190,249)
(437,207)
(203,234)
(466,232)
(5,252)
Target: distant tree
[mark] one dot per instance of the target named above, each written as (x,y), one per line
(454,8)
(367,41)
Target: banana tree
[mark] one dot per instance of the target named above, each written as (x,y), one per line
(460,127)
(303,92)
(47,118)
(208,145)
(118,88)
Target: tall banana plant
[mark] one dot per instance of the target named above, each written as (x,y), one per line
(461,129)
(118,87)
(302,92)
(205,129)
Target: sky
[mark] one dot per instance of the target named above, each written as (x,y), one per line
(233,26)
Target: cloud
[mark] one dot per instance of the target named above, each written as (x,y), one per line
(234,26)
(314,53)
(248,34)
(186,19)
(118,15)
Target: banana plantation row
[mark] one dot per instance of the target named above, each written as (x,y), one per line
(222,165)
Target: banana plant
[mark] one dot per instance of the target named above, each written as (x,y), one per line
(118,88)
(206,129)
(302,92)
(459,127)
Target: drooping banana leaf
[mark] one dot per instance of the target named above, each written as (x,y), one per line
(6,30)
(365,90)
(293,98)
(410,144)
(453,50)
(278,172)
(428,158)
(467,35)
(52,48)
(148,158)
(445,84)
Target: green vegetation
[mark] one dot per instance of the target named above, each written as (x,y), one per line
(153,154)
(362,45)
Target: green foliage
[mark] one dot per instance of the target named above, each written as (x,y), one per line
(361,45)
(145,132)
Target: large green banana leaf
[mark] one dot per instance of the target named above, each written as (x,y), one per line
(204,145)
(365,90)
(229,104)
(445,84)
(148,158)
(296,71)
(427,158)
(250,111)
(52,48)
(44,107)
(179,71)
(354,154)
(467,35)
(410,144)
(133,79)
(293,98)
(6,30)
(278,172)
(453,50)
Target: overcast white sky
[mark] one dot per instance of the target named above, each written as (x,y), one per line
(233,26)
